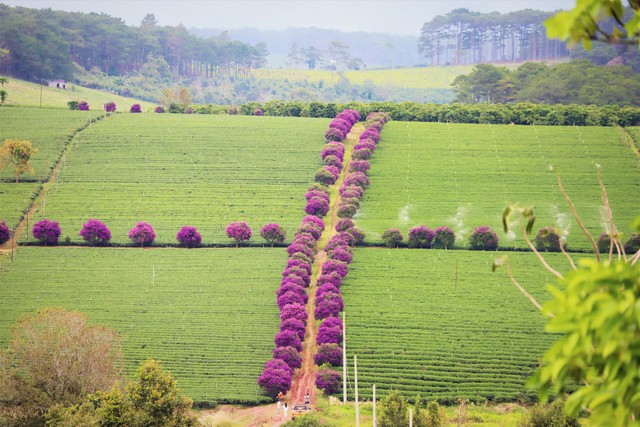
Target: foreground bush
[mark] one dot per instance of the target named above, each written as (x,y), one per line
(142,234)
(392,237)
(47,231)
(632,245)
(548,414)
(483,238)
(189,237)
(95,232)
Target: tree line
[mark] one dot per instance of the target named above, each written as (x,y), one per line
(465,37)
(45,44)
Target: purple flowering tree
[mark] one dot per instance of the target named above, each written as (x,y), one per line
(362,154)
(333,278)
(294,311)
(5,233)
(329,381)
(95,232)
(443,238)
(344,224)
(333,134)
(359,166)
(365,144)
(273,233)
(347,210)
(47,231)
(238,231)
(370,134)
(310,229)
(335,266)
(483,238)
(324,176)
(323,194)
(299,263)
(325,288)
(288,355)
(110,107)
(317,206)
(299,247)
(333,170)
(275,378)
(329,305)
(329,353)
(135,108)
(159,109)
(314,220)
(142,234)
(333,149)
(341,254)
(189,237)
(392,237)
(83,106)
(357,234)
(294,325)
(333,161)
(288,339)
(357,178)
(549,239)
(420,237)
(258,112)
(291,297)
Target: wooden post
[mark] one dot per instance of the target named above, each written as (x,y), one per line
(410,417)
(344,359)
(374,405)
(355,379)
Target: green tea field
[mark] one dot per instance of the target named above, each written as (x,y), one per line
(48,130)
(208,314)
(175,170)
(463,176)
(441,324)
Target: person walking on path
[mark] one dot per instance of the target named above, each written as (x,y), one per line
(286,409)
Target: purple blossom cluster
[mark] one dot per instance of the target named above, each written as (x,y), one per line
(273,233)
(328,380)
(142,234)
(95,232)
(420,237)
(341,125)
(258,112)
(5,233)
(276,376)
(189,237)
(110,107)
(239,231)
(483,238)
(159,109)
(135,108)
(47,231)
(83,106)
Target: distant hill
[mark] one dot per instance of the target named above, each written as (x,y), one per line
(377,50)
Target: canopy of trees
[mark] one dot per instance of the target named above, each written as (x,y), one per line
(44,44)
(575,82)
(466,37)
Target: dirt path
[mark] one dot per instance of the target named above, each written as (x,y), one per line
(304,378)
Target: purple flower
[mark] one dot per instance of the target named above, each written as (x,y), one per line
(290,287)
(273,233)
(317,193)
(350,191)
(330,304)
(328,380)
(288,355)
(331,297)
(333,149)
(5,233)
(288,339)
(238,231)
(324,176)
(370,134)
(420,237)
(258,112)
(340,124)
(293,279)
(294,325)
(46,231)
(189,237)
(328,335)
(329,353)
(95,232)
(332,322)
(307,237)
(346,237)
(297,271)
(317,206)
(142,234)
(314,220)
(299,247)
(358,235)
(294,311)
(135,108)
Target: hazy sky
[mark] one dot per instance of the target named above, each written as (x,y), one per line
(382,16)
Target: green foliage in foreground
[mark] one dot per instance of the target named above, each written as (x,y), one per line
(48,131)
(175,170)
(463,175)
(440,324)
(208,314)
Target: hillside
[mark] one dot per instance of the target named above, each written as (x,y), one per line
(29,94)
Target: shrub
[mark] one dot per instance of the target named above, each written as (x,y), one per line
(290,286)
(358,235)
(392,237)
(342,124)
(328,380)
(142,234)
(294,325)
(288,339)
(293,279)
(5,233)
(95,232)
(359,166)
(548,414)
(333,161)
(294,311)
(273,233)
(275,379)
(258,112)
(238,231)
(393,410)
(483,238)
(159,109)
(317,206)
(83,106)
(604,243)
(420,237)
(110,107)
(233,110)
(73,105)
(333,134)
(362,154)
(135,108)
(548,239)
(329,353)
(344,224)
(331,297)
(443,238)
(347,210)
(357,178)
(324,176)
(288,355)
(335,266)
(47,231)
(189,237)
(632,245)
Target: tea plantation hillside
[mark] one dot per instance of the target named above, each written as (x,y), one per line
(208,314)
(49,131)
(175,170)
(463,176)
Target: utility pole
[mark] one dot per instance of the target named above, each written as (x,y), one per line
(40,93)
(344,359)
(374,405)
(355,377)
